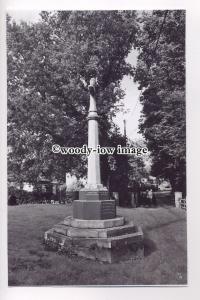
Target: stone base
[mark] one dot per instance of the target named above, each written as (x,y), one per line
(94,209)
(95,194)
(106,244)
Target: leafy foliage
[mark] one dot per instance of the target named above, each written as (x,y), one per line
(160,73)
(46,101)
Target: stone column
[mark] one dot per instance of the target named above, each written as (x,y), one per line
(94,175)
(93,202)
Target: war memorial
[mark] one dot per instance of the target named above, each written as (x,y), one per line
(95,231)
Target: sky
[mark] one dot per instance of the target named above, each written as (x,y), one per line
(131,100)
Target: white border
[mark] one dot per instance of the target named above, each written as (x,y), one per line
(91,4)
(193,145)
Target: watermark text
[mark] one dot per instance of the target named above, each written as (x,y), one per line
(85,150)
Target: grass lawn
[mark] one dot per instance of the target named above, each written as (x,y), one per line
(165,260)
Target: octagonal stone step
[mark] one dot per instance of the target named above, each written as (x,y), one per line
(98,224)
(105,244)
(109,242)
(95,232)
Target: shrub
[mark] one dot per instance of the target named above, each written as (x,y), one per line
(18,196)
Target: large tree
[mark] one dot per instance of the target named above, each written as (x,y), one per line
(46,100)
(160,73)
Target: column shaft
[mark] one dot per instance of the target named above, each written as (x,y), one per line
(94,177)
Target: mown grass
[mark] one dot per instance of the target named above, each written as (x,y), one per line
(165,260)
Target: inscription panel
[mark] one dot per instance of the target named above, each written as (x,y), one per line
(108,209)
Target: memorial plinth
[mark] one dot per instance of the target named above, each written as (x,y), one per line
(94,231)
(108,240)
(94,205)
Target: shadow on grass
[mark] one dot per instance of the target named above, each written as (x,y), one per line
(158,226)
(149,246)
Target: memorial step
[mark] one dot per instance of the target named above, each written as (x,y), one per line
(106,223)
(109,242)
(93,232)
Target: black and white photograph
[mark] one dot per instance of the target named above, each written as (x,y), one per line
(96,147)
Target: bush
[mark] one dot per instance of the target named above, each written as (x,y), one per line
(24,197)
(12,200)
(71,196)
(16,196)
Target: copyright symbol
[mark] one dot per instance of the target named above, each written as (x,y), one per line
(55,148)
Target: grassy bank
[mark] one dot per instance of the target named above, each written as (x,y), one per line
(165,260)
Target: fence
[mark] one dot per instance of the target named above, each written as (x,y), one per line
(183,204)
